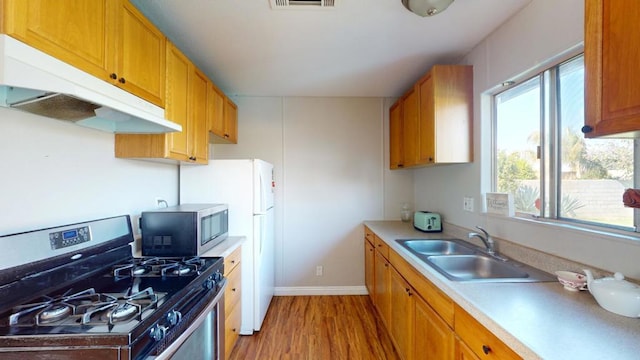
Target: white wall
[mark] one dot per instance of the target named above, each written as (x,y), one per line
(329,155)
(541,31)
(54,173)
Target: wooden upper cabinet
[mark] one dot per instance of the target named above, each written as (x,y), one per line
(78,33)
(140,55)
(199,85)
(215,111)
(396,156)
(410,119)
(177,104)
(109,39)
(223,117)
(446,115)
(186,104)
(437,119)
(231,121)
(612,74)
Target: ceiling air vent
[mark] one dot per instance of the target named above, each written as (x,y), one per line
(303,4)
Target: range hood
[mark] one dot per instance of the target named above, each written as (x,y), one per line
(35,82)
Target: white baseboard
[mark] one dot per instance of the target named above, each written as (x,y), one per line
(320,290)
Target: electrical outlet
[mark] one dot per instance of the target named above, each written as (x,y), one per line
(160,202)
(467,203)
(319,270)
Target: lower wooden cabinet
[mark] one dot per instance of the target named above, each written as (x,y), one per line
(402,315)
(481,341)
(424,323)
(232,308)
(463,352)
(433,338)
(383,287)
(369,268)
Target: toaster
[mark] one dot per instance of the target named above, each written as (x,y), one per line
(427,221)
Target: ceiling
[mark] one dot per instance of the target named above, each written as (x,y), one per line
(360,48)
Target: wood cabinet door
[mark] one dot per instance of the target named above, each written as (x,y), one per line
(230,121)
(215,111)
(401,315)
(410,119)
(612,54)
(463,352)
(199,141)
(369,269)
(426,125)
(176,109)
(382,287)
(433,338)
(76,32)
(140,55)
(396,155)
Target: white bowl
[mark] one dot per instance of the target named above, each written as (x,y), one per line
(572,281)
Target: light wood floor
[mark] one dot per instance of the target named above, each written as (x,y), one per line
(318,327)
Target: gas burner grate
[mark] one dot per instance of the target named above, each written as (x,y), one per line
(85,308)
(156,267)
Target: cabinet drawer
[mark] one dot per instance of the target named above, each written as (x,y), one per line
(368,234)
(480,340)
(381,246)
(231,330)
(440,302)
(231,261)
(232,293)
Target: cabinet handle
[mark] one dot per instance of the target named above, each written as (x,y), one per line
(113,76)
(400,165)
(233,261)
(430,159)
(122,81)
(386,265)
(586,129)
(486,349)
(226,136)
(234,289)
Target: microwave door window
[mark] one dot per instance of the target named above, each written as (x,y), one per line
(206,230)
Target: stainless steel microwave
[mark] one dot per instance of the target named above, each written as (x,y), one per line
(183,230)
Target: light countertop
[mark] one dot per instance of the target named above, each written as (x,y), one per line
(226,247)
(537,320)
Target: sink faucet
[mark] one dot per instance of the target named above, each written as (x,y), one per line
(486,239)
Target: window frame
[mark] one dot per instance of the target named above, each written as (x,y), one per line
(550,152)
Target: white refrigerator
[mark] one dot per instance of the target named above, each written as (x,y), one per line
(247,186)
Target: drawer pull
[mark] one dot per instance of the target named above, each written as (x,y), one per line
(234,289)
(486,349)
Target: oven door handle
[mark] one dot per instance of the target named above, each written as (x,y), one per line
(175,345)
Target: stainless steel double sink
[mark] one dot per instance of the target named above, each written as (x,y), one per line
(458,260)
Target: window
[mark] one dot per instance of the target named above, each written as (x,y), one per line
(542,158)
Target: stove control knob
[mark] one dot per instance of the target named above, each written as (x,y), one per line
(174,317)
(158,332)
(209,283)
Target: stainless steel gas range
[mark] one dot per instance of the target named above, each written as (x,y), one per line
(76,292)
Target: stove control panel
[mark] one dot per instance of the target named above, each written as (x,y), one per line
(69,237)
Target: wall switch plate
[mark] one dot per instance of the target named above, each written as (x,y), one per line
(319,270)
(467,203)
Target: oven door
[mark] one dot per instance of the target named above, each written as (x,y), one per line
(203,339)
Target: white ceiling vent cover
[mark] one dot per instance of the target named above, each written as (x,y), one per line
(303,4)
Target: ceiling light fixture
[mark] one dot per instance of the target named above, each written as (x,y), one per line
(426,7)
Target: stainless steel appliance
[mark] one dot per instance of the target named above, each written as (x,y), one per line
(76,292)
(183,230)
